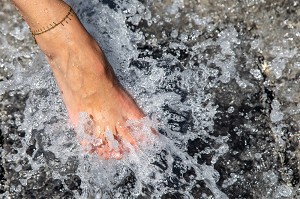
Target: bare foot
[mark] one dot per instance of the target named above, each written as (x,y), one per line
(85,78)
(88,84)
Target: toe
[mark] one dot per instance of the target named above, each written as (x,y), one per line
(125,134)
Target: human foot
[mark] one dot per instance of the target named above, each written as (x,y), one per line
(88,84)
(85,78)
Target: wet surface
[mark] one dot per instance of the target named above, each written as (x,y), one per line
(222,78)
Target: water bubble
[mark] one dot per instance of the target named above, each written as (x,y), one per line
(284,191)
(230,109)
(256,73)
(276,114)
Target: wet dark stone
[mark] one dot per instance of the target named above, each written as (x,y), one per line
(172,195)
(201,191)
(129,181)
(68,195)
(2,179)
(26,167)
(54,185)
(111,4)
(30,194)
(21,133)
(197,145)
(41,178)
(147,190)
(8,142)
(37,139)
(73,182)
(71,165)
(161,161)
(179,121)
(18,143)
(239,191)
(126,185)
(205,158)
(30,150)
(49,156)
(296,176)
(39,153)
(143,65)
(14,151)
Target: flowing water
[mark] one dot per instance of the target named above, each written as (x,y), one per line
(219,80)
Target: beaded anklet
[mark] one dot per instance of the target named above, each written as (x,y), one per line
(53,25)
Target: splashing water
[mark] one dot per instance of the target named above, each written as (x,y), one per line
(228,127)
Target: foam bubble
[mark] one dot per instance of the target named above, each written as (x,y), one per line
(276,115)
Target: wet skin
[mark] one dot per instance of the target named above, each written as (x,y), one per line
(88,84)
(84,76)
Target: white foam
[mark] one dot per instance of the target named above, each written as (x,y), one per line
(284,191)
(276,115)
(151,165)
(256,73)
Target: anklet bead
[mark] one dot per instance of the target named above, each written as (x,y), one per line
(53,25)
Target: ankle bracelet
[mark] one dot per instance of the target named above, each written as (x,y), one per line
(52,25)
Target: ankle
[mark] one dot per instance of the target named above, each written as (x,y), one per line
(63,37)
